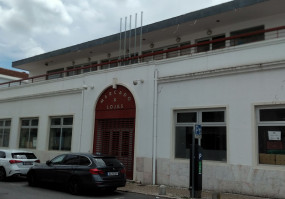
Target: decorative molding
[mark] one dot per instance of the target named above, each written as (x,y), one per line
(223,71)
(42,95)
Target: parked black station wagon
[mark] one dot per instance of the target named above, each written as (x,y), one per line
(80,170)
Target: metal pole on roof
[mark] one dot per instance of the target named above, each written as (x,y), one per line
(130,33)
(135,44)
(141,33)
(120,45)
(125,37)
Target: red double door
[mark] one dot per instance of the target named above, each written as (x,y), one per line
(114,132)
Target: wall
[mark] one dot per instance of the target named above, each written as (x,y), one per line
(238,91)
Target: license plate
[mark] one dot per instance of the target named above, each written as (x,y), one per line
(113,173)
(27,163)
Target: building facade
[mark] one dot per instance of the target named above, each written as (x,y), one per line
(222,67)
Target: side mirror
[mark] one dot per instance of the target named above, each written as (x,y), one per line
(48,162)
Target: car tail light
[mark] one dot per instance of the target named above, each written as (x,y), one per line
(38,161)
(14,161)
(123,170)
(96,171)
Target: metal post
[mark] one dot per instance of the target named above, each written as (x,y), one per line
(135,44)
(130,34)
(141,33)
(193,163)
(120,43)
(125,41)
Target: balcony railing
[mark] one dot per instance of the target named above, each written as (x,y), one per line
(189,49)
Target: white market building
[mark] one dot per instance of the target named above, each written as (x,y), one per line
(222,67)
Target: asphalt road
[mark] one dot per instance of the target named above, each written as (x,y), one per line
(19,188)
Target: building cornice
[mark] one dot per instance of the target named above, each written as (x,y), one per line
(223,71)
(42,95)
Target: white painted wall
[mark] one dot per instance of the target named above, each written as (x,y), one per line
(231,78)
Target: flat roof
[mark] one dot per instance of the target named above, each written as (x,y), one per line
(12,73)
(192,16)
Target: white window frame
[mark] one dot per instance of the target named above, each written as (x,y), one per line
(204,124)
(265,123)
(29,127)
(61,126)
(2,128)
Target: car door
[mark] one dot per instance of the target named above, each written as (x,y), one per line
(47,173)
(81,171)
(64,170)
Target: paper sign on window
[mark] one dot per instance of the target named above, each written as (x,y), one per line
(274,135)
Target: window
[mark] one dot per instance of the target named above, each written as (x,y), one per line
(58,160)
(105,64)
(146,58)
(210,46)
(2,154)
(29,133)
(86,70)
(94,66)
(84,161)
(71,160)
(54,76)
(134,59)
(5,126)
(271,135)
(213,133)
(114,64)
(247,39)
(125,61)
(105,162)
(158,56)
(219,44)
(61,133)
(173,53)
(23,155)
(185,51)
(203,47)
(90,67)
(73,72)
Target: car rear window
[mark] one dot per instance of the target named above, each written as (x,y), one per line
(106,162)
(23,156)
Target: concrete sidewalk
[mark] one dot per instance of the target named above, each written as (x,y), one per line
(177,192)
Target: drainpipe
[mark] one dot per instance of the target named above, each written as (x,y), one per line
(84,87)
(154,128)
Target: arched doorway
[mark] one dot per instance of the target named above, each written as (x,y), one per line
(114,132)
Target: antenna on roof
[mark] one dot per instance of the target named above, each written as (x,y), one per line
(123,46)
(130,34)
(141,34)
(120,45)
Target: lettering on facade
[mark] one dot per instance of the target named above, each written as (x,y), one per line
(115,99)
(114,107)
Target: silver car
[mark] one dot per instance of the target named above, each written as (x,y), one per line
(16,163)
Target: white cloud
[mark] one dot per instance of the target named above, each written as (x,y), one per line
(34,16)
(31,48)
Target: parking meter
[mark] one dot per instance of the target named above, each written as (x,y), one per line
(197,172)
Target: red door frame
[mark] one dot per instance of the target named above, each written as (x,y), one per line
(115,105)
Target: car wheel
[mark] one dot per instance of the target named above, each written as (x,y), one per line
(74,186)
(2,174)
(32,180)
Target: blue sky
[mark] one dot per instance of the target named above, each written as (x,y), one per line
(32,27)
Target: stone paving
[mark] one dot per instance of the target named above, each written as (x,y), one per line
(177,192)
